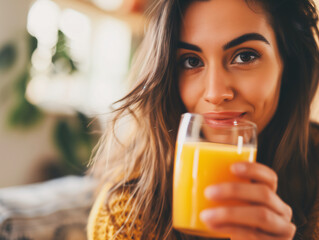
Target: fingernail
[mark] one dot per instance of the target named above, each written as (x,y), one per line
(238,168)
(206,215)
(211,192)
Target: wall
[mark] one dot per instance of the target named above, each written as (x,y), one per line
(21,151)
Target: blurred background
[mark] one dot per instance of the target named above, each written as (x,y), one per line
(62,63)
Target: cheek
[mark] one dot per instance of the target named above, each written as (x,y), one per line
(263,84)
(263,96)
(190,92)
(261,92)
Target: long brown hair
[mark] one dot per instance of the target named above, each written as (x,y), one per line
(144,155)
(136,152)
(285,143)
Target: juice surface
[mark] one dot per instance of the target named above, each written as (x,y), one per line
(198,165)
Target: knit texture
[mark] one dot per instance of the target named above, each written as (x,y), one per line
(113,222)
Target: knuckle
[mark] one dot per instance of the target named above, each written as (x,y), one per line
(265,215)
(234,189)
(224,212)
(292,229)
(267,194)
(289,211)
(274,179)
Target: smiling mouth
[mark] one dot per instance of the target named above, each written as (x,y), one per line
(223,118)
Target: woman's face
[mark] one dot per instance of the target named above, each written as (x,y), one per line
(229,63)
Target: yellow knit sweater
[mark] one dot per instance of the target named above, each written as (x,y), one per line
(104,223)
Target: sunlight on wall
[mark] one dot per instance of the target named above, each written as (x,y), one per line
(101,49)
(43,22)
(110,62)
(109,5)
(77,27)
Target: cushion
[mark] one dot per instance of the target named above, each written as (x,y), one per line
(56,209)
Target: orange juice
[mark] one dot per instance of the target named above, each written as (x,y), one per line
(198,165)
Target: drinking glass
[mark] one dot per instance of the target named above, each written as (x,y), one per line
(205,150)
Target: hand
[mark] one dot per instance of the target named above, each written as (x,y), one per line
(264,217)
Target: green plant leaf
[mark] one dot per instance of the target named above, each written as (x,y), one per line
(66,140)
(24,115)
(33,44)
(8,56)
(21,84)
(62,54)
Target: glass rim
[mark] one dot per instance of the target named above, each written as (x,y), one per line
(237,123)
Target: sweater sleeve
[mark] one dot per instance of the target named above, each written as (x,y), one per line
(104,223)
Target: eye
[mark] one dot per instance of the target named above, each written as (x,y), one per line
(191,62)
(245,57)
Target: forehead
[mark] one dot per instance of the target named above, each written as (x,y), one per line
(229,18)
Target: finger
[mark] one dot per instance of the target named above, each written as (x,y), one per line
(256,172)
(257,217)
(253,193)
(244,233)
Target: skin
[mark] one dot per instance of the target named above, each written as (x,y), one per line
(222,80)
(226,79)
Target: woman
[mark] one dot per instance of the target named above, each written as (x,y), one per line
(257,59)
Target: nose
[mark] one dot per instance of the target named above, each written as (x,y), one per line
(218,87)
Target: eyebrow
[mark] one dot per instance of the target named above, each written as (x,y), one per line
(189,46)
(244,38)
(235,42)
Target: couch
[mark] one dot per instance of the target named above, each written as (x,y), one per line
(52,210)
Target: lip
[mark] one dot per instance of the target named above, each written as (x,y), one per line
(222,118)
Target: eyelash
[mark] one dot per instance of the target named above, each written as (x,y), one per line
(186,58)
(252,54)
